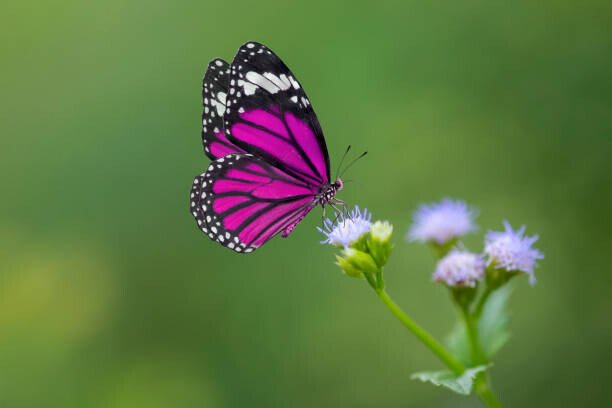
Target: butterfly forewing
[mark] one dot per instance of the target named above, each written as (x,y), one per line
(269,115)
(214,94)
(241,201)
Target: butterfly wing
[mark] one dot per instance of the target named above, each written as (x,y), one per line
(214,93)
(269,115)
(242,201)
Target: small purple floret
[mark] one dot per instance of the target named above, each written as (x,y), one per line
(441,222)
(346,230)
(513,251)
(460,268)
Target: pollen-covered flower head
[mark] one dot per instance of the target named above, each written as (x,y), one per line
(460,268)
(441,222)
(346,230)
(513,251)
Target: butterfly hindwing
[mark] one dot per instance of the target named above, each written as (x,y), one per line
(269,115)
(214,93)
(241,201)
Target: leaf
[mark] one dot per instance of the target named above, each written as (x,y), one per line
(492,328)
(459,344)
(494,321)
(460,384)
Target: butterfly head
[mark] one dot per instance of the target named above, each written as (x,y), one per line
(338,184)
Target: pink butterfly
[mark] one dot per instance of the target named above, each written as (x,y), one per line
(270,163)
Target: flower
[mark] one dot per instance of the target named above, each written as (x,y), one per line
(346,230)
(441,222)
(379,244)
(512,251)
(381,231)
(460,268)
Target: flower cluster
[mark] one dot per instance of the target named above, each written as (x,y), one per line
(365,246)
(443,224)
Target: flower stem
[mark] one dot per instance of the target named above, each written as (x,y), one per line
(481,383)
(427,339)
(481,302)
(471,326)
(484,391)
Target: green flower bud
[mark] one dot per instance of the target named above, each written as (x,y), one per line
(360,261)
(379,244)
(381,230)
(348,268)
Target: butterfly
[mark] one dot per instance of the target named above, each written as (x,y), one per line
(270,165)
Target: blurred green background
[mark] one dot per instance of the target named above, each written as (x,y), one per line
(111,297)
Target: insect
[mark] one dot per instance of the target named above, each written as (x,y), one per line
(270,163)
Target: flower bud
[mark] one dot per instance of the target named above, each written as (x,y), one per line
(358,261)
(348,268)
(379,244)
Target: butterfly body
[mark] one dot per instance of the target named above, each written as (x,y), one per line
(270,163)
(328,192)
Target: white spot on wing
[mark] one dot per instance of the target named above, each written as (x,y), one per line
(268,81)
(249,88)
(221,97)
(294,83)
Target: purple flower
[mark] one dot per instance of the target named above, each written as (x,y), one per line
(346,230)
(441,222)
(512,251)
(460,268)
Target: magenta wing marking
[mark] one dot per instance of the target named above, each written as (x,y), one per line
(269,115)
(241,201)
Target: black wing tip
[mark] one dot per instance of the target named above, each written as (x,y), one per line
(213,65)
(254,43)
(216,62)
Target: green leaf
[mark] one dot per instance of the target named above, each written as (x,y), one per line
(458,343)
(460,384)
(492,328)
(494,321)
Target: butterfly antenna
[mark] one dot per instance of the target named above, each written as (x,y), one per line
(342,160)
(351,163)
(352,181)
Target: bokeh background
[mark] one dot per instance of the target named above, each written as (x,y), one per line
(111,297)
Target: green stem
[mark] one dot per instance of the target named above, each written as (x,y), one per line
(484,391)
(471,326)
(481,302)
(427,339)
(482,384)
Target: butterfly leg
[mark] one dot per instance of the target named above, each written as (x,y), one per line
(337,211)
(337,216)
(343,206)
